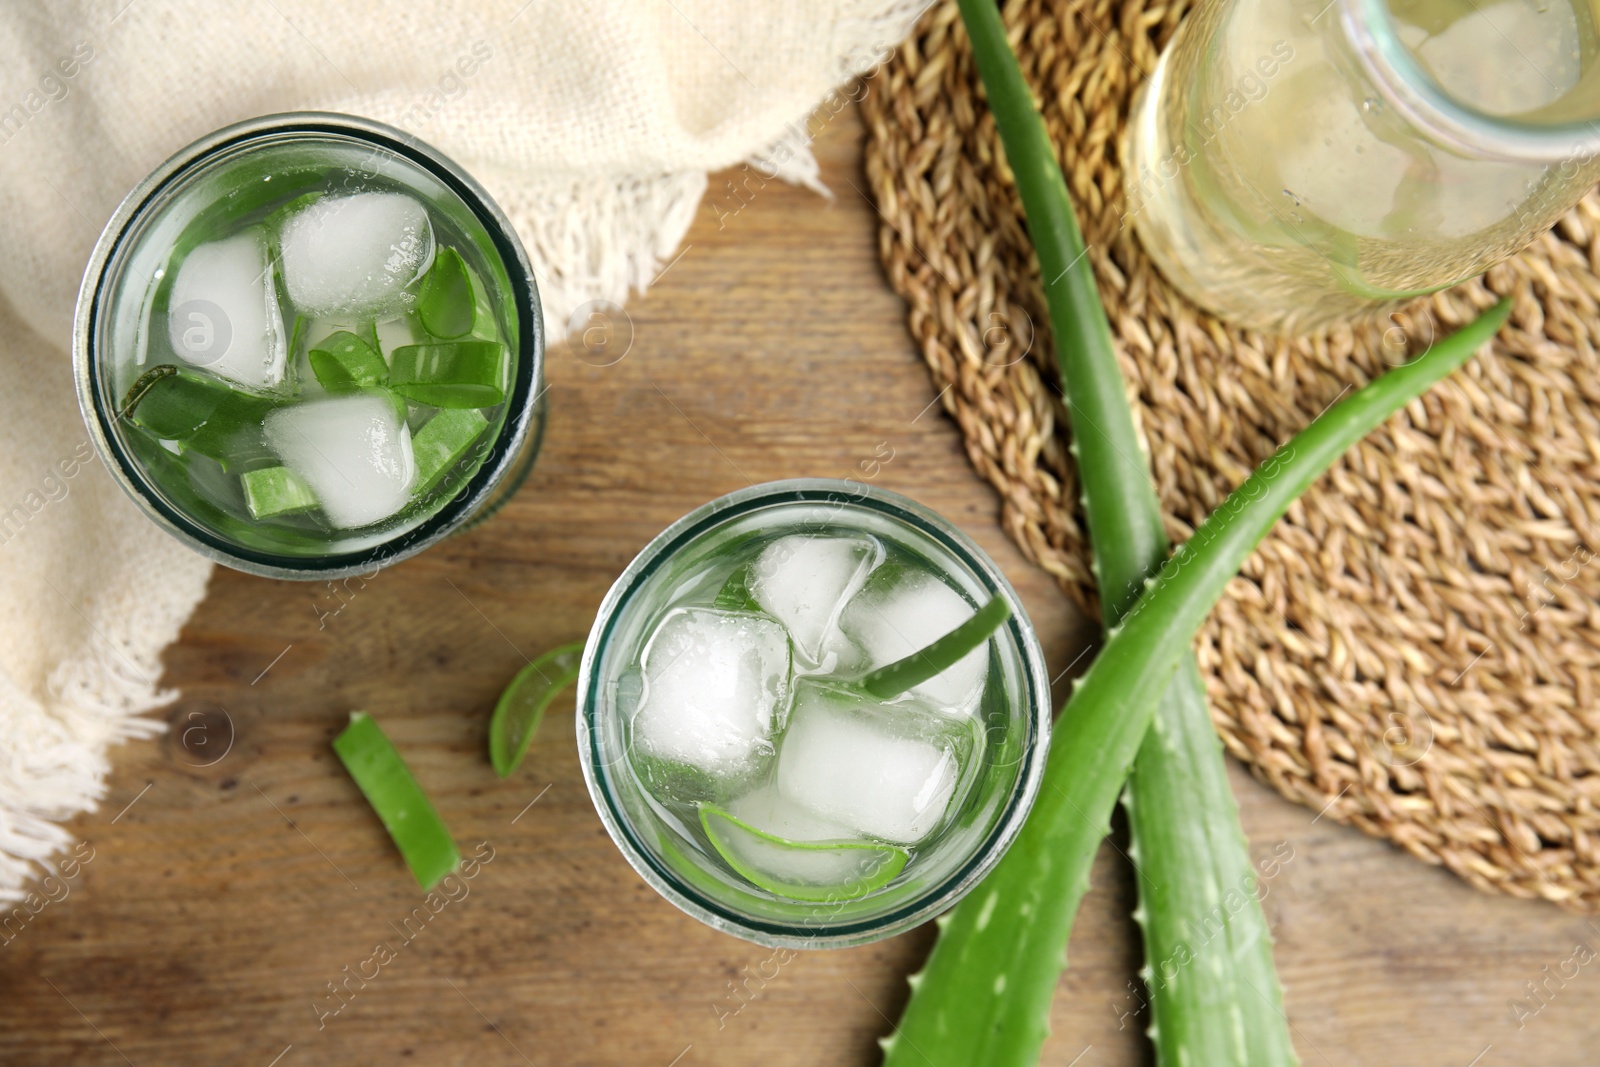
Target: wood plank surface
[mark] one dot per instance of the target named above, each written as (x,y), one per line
(230,884)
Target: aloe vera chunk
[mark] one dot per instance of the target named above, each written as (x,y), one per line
(895,678)
(442,441)
(275,491)
(735,593)
(447,307)
(520,709)
(201,413)
(452,374)
(454,303)
(484,326)
(801,870)
(342,361)
(404,809)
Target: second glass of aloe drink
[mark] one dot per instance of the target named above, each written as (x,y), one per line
(736,757)
(309,344)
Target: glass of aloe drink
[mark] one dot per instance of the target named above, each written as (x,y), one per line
(734,752)
(309,345)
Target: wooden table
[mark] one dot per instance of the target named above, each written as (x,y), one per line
(225,894)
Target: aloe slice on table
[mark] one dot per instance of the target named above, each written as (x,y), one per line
(274,491)
(342,361)
(452,374)
(402,806)
(1016,923)
(520,709)
(801,870)
(442,441)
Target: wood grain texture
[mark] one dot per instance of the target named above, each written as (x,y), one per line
(219,905)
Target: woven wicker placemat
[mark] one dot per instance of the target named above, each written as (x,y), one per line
(1414,650)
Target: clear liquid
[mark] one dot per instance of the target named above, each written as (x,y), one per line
(1272,184)
(677,805)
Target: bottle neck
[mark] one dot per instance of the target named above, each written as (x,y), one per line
(1572,134)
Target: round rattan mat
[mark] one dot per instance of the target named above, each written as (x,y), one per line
(1416,648)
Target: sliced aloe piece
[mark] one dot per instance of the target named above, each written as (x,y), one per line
(405,810)
(442,441)
(158,416)
(199,412)
(447,307)
(452,374)
(319,332)
(521,707)
(297,334)
(275,491)
(484,326)
(171,403)
(342,361)
(735,592)
(802,870)
(891,680)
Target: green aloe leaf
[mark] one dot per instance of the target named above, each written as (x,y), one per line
(1016,923)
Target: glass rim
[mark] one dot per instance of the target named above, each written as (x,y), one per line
(778,934)
(1418,96)
(94,307)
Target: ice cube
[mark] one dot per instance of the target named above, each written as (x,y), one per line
(356,254)
(770,812)
(353,451)
(891,620)
(804,582)
(716,690)
(889,771)
(223,312)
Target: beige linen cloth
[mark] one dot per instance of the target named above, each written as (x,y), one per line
(592,123)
